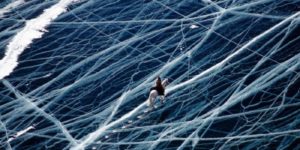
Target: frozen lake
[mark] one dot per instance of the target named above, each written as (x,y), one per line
(76,74)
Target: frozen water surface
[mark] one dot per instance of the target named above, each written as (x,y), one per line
(75,74)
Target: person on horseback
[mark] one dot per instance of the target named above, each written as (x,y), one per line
(157,90)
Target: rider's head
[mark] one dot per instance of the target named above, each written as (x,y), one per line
(158,81)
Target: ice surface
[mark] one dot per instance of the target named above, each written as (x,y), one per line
(76,74)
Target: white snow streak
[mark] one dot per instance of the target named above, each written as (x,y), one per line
(10,6)
(34,29)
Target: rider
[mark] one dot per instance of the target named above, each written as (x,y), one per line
(159,87)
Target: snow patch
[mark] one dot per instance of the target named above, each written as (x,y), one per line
(194,26)
(10,6)
(34,29)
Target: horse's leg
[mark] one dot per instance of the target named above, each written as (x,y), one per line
(153,94)
(162,98)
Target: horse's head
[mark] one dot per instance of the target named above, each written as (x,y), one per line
(165,82)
